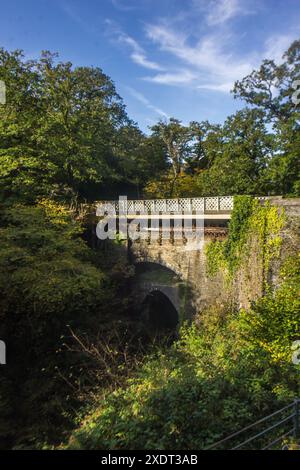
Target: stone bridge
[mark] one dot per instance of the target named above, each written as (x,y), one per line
(163,245)
(162,248)
(171,272)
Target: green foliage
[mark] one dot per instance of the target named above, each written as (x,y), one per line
(48,280)
(227,370)
(64,132)
(214,376)
(65,135)
(176,141)
(249,219)
(242,156)
(242,149)
(184,186)
(270,87)
(283,172)
(42,257)
(215,257)
(273,322)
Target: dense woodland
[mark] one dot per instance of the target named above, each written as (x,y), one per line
(73,349)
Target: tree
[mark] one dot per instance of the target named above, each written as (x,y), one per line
(141,158)
(282,175)
(176,140)
(49,279)
(206,145)
(270,90)
(62,129)
(244,149)
(271,86)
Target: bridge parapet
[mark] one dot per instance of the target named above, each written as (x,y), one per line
(205,205)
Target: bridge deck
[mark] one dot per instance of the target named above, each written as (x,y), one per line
(196,207)
(212,216)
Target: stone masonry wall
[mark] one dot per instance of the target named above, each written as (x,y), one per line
(191,266)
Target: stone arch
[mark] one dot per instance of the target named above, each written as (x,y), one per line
(159,312)
(158,265)
(157,287)
(170,292)
(146,256)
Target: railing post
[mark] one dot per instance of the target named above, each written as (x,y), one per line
(296,418)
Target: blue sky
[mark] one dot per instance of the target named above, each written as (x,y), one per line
(167,57)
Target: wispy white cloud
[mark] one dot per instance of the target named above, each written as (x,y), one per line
(138,54)
(142,99)
(207,59)
(221,11)
(210,62)
(223,87)
(175,78)
(276,45)
(122,5)
(71,12)
(218,12)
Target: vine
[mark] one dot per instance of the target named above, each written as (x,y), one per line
(249,218)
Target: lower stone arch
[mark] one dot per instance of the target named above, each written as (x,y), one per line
(158,311)
(152,281)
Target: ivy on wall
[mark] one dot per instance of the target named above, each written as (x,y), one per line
(250,218)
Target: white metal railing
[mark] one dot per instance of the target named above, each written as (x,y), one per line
(156,206)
